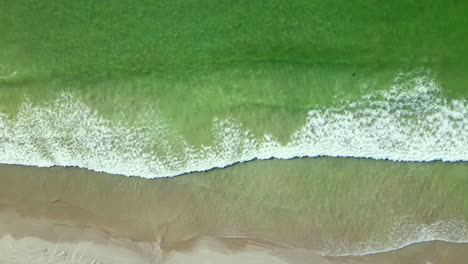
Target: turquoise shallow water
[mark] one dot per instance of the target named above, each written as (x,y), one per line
(164,88)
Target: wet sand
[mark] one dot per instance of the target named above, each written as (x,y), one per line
(71,215)
(43,240)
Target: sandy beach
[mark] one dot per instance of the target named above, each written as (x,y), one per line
(42,240)
(44,220)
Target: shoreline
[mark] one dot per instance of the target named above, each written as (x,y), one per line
(255,159)
(29,240)
(174,219)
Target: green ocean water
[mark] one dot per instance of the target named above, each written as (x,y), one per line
(162,88)
(179,69)
(199,59)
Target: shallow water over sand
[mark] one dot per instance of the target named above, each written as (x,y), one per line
(318,204)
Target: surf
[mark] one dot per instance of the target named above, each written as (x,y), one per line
(411,121)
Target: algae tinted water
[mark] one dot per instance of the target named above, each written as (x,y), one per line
(177,86)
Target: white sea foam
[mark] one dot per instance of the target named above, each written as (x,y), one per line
(410,122)
(6,73)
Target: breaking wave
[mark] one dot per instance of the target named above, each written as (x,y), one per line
(412,121)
